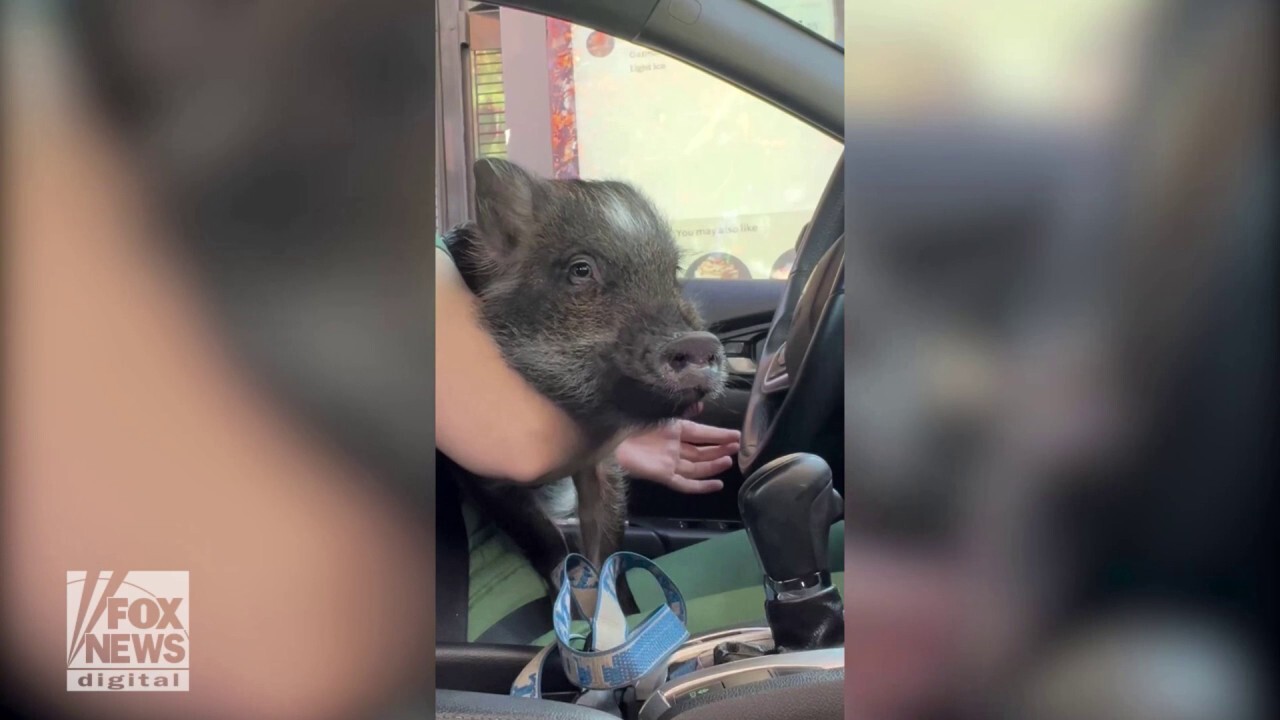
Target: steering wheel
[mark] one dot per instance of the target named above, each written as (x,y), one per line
(798,381)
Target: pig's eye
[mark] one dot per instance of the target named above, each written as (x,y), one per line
(581,270)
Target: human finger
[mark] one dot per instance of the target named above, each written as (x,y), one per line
(697,453)
(692,486)
(699,434)
(703,469)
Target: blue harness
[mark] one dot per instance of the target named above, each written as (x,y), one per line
(611,657)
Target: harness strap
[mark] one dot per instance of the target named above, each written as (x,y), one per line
(611,657)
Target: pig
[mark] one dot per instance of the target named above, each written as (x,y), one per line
(577,283)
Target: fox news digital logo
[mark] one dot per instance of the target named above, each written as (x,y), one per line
(127,631)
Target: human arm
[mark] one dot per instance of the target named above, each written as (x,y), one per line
(489,420)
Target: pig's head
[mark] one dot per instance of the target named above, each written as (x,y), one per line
(577,283)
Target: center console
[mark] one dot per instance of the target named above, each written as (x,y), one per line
(788,507)
(741,676)
(791,667)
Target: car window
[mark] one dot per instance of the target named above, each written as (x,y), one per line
(736,177)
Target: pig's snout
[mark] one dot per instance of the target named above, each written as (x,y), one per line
(695,349)
(693,360)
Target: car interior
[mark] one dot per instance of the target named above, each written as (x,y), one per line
(783,343)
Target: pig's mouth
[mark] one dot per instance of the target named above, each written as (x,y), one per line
(660,397)
(693,383)
(668,377)
(690,398)
(691,387)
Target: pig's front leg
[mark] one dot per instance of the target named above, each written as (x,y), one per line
(602,511)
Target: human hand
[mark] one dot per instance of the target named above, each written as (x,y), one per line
(682,455)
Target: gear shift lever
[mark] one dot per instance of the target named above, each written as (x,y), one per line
(788,507)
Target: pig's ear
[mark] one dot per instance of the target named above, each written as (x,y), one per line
(504,203)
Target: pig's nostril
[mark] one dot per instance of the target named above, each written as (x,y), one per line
(696,349)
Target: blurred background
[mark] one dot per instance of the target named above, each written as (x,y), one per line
(1060,359)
